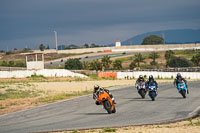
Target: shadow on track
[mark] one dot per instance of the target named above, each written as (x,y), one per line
(171,97)
(96,113)
(137,99)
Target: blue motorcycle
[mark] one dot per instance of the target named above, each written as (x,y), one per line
(152,91)
(182,88)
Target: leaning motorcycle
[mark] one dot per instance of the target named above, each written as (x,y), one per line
(141,89)
(107,102)
(152,91)
(182,88)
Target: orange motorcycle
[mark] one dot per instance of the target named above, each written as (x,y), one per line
(107,102)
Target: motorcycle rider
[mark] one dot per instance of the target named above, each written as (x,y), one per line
(139,80)
(178,79)
(96,91)
(151,81)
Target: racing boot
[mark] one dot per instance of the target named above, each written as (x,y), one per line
(114,100)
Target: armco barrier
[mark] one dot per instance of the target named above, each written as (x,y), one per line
(107,74)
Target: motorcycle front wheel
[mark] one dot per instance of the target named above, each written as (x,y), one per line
(107,107)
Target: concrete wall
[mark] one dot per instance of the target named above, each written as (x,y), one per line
(44,72)
(187,75)
(135,48)
(135,74)
(125,48)
(35,65)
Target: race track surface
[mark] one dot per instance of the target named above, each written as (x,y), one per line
(81,113)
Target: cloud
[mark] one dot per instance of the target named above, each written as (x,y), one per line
(104,20)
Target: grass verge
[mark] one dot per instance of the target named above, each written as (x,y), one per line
(61,96)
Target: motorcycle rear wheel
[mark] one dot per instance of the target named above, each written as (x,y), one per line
(114,110)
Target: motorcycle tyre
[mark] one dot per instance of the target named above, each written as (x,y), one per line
(183,93)
(107,107)
(142,93)
(114,109)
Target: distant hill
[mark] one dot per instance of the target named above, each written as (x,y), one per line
(177,36)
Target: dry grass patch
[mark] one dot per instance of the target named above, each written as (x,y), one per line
(16,96)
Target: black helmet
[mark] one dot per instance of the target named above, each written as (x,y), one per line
(151,77)
(96,87)
(141,77)
(178,75)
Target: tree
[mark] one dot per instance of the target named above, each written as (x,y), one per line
(153,39)
(95,65)
(138,59)
(117,64)
(73,64)
(132,65)
(86,45)
(169,54)
(178,62)
(196,59)
(93,45)
(154,56)
(106,62)
(42,47)
(48,47)
(85,65)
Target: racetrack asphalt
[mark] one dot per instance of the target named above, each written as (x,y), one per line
(82,113)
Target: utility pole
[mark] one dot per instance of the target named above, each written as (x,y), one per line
(56,40)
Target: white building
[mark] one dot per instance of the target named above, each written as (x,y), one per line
(35,64)
(118,43)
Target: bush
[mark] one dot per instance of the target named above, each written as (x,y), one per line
(196,59)
(132,65)
(73,64)
(178,62)
(20,64)
(13,64)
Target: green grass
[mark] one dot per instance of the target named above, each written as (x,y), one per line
(75,131)
(197,123)
(191,123)
(93,76)
(109,129)
(1,106)
(158,127)
(15,94)
(36,77)
(56,67)
(125,128)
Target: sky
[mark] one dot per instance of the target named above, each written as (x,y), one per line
(29,23)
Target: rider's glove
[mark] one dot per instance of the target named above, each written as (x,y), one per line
(98,102)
